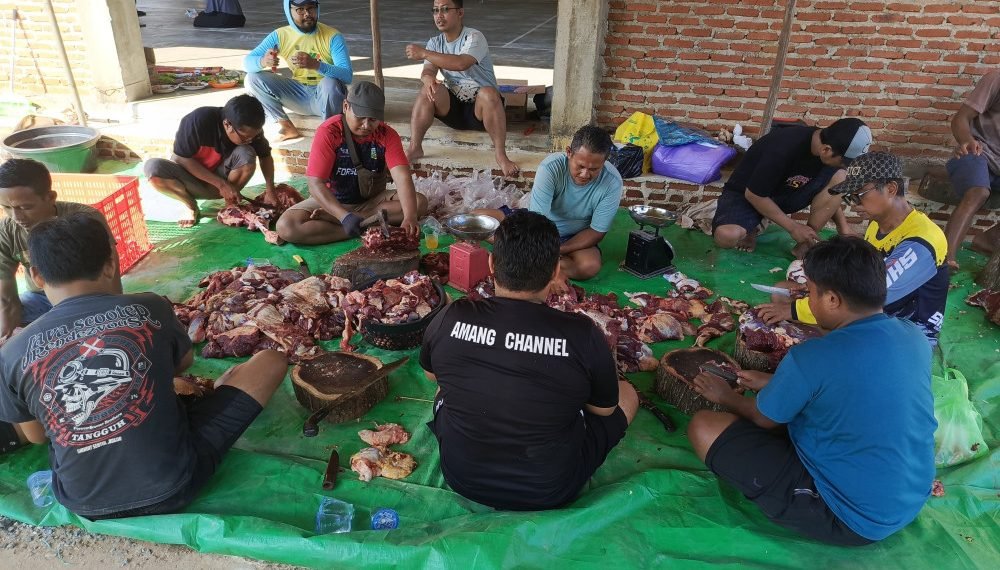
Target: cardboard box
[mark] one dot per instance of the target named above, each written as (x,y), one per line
(515,93)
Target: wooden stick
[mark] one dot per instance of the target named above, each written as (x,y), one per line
(779,69)
(377,46)
(414,399)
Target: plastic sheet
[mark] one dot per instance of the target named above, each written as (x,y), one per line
(653,504)
(447,195)
(699,162)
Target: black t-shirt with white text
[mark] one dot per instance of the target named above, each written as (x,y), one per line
(781,163)
(97,372)
(514,377)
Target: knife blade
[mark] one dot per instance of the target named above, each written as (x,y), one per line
(769,289)
(726,375)
(383,221)
(303,266)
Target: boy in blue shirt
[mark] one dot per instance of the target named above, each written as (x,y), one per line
(857,461)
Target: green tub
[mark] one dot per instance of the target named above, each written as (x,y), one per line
(62,148)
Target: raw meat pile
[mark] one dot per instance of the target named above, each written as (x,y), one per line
(989,300)
(435,265)
(379,460)
(630,330)
(398,240)
(193,386)
(774,341)
(396,301)
(248,309)
(257,217)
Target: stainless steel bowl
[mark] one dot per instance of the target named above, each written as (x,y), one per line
(652,216)
(471,227)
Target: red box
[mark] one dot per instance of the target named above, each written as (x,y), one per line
(117,197)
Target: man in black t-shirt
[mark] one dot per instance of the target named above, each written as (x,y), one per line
(786,171)
(216,150)
(529,404)
(95,377)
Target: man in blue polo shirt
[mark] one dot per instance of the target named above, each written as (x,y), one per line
(856,463)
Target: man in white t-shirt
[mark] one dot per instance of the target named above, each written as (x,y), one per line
(471,100)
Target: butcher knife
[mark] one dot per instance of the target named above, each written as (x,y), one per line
(657,413)
(303,266)
(775,290)
(731,377)
(383,221)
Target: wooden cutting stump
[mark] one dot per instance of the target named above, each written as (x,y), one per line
(989,278)
(675,376)
(348,384)
(363,265)
(764,361)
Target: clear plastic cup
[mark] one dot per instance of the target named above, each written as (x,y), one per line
(334,516)
(40,487)
(431,240)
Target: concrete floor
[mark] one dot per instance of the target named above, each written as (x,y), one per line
(521,33)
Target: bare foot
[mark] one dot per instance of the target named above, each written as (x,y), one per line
(287,133)
(190,220)
(414,153)
(508,167)
(748,243)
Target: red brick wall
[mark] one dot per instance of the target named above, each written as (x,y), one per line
(903,67)
(38,65)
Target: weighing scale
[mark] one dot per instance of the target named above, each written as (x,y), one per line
(648,254)
(469,262)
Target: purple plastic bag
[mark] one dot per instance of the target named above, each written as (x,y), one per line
(696,162)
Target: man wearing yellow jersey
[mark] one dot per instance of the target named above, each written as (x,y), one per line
(321,69)
(914,247)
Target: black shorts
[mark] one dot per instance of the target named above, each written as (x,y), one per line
(461,115)
(9,440)
(603,434)
(734,209)
(215,422)
(763,465)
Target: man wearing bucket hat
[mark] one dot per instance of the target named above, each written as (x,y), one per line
(352,157)
(913,246)
(784,172)
(321,69)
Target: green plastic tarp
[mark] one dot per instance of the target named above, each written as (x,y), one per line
(652,504)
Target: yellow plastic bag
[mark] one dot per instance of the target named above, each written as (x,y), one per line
(639,129)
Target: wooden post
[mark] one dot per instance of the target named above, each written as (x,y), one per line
(377,46)
(80,115)
(779,68)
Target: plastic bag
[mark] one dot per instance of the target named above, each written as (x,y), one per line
(697,162)
(448,195)
(959,435)
(672,134)
(628,159)
(640,130)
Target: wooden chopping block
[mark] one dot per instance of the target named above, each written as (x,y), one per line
(363,265)
(676,373)
(347,384)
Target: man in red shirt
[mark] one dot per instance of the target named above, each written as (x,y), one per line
(348,185)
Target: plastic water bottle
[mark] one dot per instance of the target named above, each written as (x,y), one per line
(40,487)
(334,516)
(385,519)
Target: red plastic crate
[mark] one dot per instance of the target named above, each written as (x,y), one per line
(117,197)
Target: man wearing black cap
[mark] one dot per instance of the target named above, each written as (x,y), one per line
(320,64)
(351,159)
(914,247)
(785,172)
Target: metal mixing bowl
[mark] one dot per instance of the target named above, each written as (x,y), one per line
(652,216)
(471,227)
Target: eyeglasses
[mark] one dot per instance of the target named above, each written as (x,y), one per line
(243,138)
(855,198)
(443,10)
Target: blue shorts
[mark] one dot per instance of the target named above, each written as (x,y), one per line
(971,171)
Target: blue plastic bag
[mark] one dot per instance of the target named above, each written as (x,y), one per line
(700,163)
(672,134)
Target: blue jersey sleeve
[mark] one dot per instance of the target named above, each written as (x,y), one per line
(607,207)
(251,63)
(543,190)
(787,393)
(341,67)
(908,267)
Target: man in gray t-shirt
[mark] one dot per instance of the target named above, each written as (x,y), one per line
(471,100)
